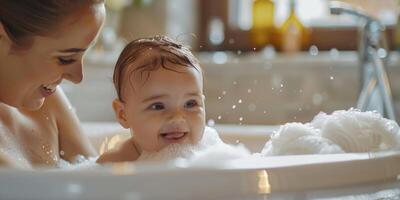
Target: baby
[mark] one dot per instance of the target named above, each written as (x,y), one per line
(160,97)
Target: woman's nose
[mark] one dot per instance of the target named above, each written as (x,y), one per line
(74,73)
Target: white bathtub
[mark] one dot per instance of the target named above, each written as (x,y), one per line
(344,176)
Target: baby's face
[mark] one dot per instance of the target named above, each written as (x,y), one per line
(166,108)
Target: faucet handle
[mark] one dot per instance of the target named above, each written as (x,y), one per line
(338,8)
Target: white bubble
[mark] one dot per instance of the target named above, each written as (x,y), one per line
(210,122)
(234,107)
(219,98)
(240,118)
(219,117)
(234,82)
(334,53)
(237,141)
(313,50)
(224,92)
(300,91)
(300,109)
(238,52)
(248,90)
(332,78)
(281,85)
(239,101)
(231,41)
(62,152)
(382,53)
(220,57)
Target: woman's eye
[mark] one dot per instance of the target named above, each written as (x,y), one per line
(191,104)
(63,61)
(157,106)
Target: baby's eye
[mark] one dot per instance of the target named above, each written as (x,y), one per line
(191,103)
(156,106)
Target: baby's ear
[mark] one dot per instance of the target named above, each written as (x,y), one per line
(119,110)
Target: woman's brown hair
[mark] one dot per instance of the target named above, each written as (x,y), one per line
(23,19)
(165,51)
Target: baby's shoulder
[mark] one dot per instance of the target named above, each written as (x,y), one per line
(124,153)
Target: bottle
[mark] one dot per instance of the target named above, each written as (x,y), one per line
(293,36)
(263,23)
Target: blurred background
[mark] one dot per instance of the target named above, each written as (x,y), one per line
(265,61)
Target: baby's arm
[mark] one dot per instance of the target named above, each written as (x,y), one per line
(124,153)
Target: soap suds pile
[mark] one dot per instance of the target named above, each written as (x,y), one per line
(341,132)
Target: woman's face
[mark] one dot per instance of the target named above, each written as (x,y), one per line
(27,77)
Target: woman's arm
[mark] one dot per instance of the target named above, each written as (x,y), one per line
(72,140)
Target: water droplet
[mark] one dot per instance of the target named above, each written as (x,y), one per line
(210,122)
(240,118)
(239,101)
(314,50)
(219,98)
(248,90)
(332,78)
(234,106)
(281,85)
(219,117)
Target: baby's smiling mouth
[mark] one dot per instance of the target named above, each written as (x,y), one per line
(173,136)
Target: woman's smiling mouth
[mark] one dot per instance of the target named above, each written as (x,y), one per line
(48,89)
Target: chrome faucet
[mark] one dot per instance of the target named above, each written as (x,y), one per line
(373,55)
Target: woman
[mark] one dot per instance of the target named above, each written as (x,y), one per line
(41,44)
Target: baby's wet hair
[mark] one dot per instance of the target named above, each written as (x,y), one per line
(163,50)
